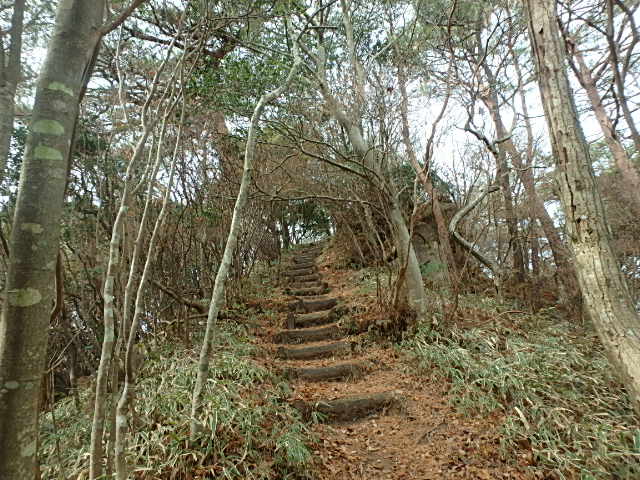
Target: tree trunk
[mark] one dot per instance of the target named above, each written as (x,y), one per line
(502,173)
(618,77)
(413,276)
(446,251)
(36,230)
(370,156)
(605,292)
(629,177)
(128,390)
(561,255)
(9,78)
(217,295)
(113,266)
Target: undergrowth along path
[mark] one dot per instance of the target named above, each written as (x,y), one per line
(373,417)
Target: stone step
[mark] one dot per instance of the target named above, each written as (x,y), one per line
(305,320)
(342,371)
(311,352)
(310,284)
(313,277)
(311,304)
(300,272)
(307,291)
(310,249)
(305,257)
(350,408)
(303,335)
(295,266)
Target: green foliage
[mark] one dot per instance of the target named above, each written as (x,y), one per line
(235,83)
(307,219)
(429,268)
(14,165)
(251,432)
(552,382)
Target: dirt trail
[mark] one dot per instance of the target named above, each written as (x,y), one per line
(380,421)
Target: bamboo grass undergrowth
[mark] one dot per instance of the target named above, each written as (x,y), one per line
(549,378)
(251,432)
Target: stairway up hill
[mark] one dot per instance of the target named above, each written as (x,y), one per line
(312,331)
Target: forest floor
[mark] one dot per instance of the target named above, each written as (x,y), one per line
(422,438)
(498,392)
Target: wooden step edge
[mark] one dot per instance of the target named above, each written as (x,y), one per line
(308,305)
(312,352)
(350,408)
(300,272)
(342,371)
(304,258)
(300,266)
(314,277)
(308,291)
(309,284)
(306,320)
(304,335)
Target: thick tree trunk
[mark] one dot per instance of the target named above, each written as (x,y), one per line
(606,295)
(36,229)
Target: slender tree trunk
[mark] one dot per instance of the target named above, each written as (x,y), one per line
(128,390)
(618,79)
(470,247)
(446,252)
(10,71)
(36,229)
(629,177)
(491,101)
(407,256)
(535,252)
(603,287)
(561,255)
(371,159)
(286,237)
(416,295)
(113,264)
(217,295)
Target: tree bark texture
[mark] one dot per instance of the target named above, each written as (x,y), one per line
(36,230)
(606,295)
